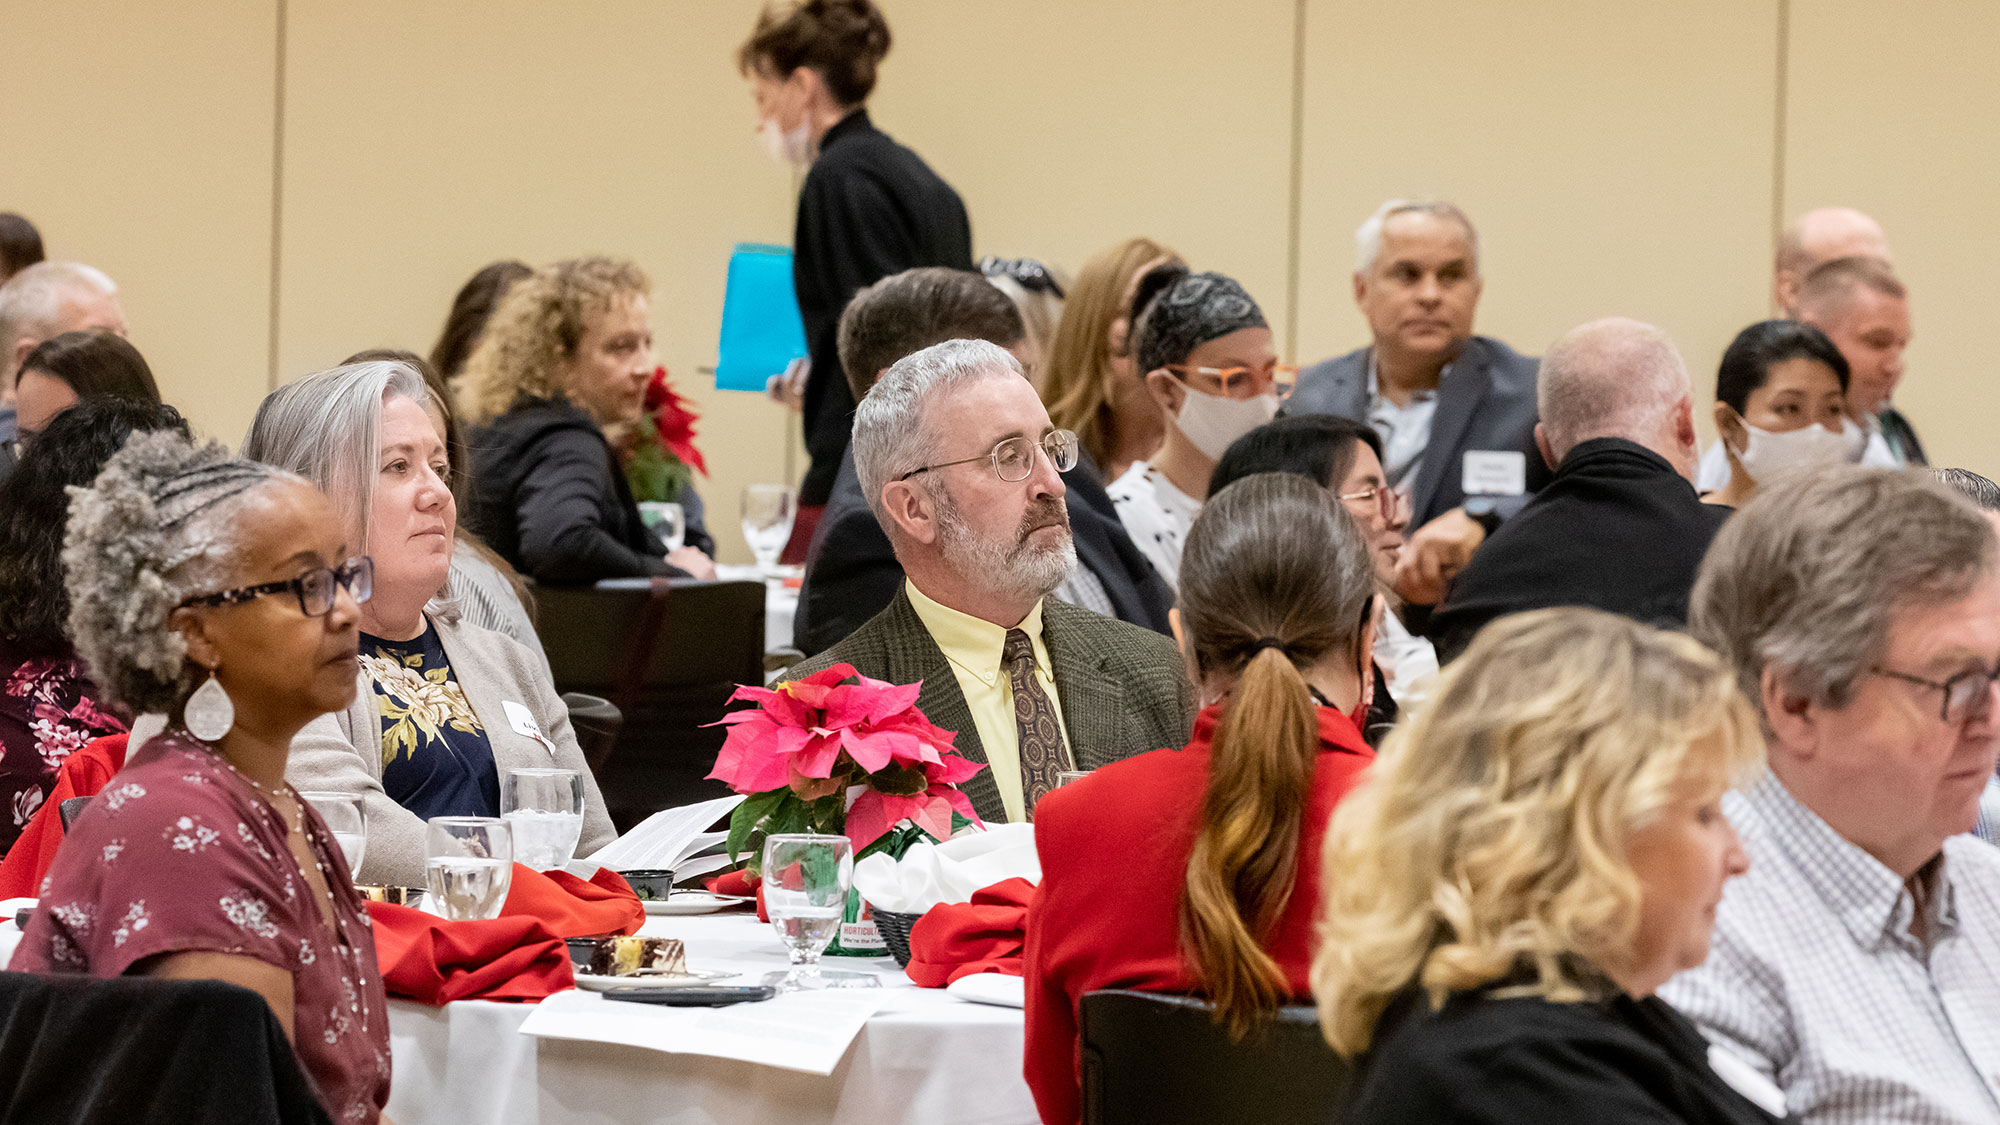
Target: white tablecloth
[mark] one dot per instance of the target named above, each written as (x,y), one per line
(926,1058)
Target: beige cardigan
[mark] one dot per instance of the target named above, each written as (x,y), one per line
(342,752)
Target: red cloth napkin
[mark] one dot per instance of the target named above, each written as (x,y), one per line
(570,907)
(82,774)
(740,882)
(429,959)
(986,935)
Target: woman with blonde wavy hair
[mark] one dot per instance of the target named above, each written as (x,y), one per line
(554,386)
(1536,852)
(1197,869)
(1091,383)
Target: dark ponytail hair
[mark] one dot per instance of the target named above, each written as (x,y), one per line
(843,40)
(1275,575)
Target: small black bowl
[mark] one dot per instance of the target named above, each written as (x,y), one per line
(581,949)
(652,884)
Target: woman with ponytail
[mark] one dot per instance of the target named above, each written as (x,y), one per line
(1197,870)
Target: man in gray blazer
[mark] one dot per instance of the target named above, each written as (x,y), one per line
(1431,389)
(961,465)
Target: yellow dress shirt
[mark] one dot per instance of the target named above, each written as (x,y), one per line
(973,647)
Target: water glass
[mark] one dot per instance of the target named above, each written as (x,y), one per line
(768,511)
(344,818)
(806,880)
(544,808)
(468,865)
(668,521)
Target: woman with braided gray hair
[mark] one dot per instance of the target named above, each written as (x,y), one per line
(445,708)
(220,593)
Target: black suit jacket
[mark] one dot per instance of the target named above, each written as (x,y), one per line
(869,208)
(1486,403)
(1617,529)
(1491,1061)
(852,572)
(1122,689)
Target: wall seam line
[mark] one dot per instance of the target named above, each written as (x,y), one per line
(1296,202)
(277,195)
(1780,111)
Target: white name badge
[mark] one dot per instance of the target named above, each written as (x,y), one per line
(1493,472)
(523,722)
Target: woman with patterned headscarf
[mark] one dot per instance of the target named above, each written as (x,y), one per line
(1207,356)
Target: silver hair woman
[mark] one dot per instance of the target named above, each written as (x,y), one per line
(221,593)
(446,707)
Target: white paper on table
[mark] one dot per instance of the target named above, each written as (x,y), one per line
(1002,990)
(808,1031)
(669,838)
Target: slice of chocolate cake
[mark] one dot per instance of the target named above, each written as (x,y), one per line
(622,956)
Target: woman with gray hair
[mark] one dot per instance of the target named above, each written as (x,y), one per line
(445,708)
(221,593)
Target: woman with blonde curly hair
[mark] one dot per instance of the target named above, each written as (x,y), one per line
(1090,379)
(558,379)
(1531,858)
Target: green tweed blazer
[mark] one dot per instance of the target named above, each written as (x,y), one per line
(1123,690)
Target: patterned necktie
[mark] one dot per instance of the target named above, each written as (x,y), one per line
(1043,754)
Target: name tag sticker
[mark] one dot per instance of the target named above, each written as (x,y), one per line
(1493,472)
(523,722)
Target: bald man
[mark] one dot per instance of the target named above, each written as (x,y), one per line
(1817,237)
(1620,526)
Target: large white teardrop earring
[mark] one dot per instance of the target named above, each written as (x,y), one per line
(209,712)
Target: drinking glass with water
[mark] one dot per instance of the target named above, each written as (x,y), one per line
(768,511)
(668,521)
(468,865)
(544,808)
(344,817)
(806,880)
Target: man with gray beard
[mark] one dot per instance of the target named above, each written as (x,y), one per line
(960,465)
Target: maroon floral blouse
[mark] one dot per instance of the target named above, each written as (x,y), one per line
(46,714)
(179,854)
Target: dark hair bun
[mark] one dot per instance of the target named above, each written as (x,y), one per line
(842,40)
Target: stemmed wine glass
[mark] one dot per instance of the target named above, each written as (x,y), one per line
(544,809)
(768,511)
(344,818)
(806,879)
(468,865)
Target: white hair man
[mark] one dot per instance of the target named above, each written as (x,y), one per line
(1815,238)
(39,303)
(1442,399)
(1854,966)
(960,465)
(1620,527)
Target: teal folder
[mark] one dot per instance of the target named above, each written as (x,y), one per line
(761,330)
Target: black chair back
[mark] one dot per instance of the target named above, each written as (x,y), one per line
(666,654)
(76,1049)
(70,809)
(1153,1058)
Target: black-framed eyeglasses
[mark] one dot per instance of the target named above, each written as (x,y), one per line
(1014,458)
(1024,272)
(1967,695)
(316,588)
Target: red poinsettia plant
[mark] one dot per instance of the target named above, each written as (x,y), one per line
(661,458)
(808,742)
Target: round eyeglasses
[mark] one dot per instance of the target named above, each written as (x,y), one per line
(1014,458)
(315,588)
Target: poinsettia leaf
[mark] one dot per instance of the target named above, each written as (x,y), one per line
(934,817)
(749,815)
(869,819)
(961,804)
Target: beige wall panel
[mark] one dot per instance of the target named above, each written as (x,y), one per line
(1617,159)
(138,138)
(424,139)
(1890,111)
(1068,127)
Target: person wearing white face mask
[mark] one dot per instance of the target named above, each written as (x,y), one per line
(1211,365)
(868,207)
(1780,400)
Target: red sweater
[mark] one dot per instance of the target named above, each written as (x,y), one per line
(1114,849)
